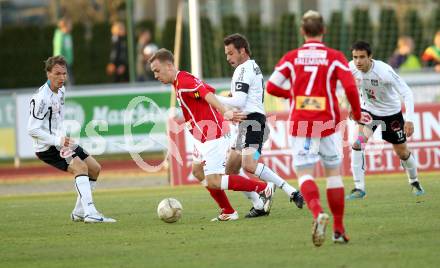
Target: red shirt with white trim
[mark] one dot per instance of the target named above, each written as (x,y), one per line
(308,77)
(204,121)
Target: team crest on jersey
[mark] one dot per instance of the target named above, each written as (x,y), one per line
(310,103)
(257,70)
(41,108)
(395,125)
(62,98)
(374,82)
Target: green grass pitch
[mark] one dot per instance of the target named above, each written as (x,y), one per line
(390,228)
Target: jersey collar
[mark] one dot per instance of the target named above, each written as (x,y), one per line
(371,66)
(175,79)
(313,43)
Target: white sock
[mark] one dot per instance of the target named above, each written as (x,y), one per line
(92,185)
(78,209)
(224,182)
(266,174)
(82,186)
(253,196)
(358,168)
(410,165)
(334,182)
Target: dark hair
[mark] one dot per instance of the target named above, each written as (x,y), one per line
(312,23)
(239,41)
(162,55)
(361,45)
(52,61)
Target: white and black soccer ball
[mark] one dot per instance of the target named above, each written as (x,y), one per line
(169,210)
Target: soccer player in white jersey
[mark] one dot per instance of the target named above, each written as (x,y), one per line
(247,95)
(380,89)
(59,150)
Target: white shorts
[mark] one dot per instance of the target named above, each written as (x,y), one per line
(212,154)
(308,151)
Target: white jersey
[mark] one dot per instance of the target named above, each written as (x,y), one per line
(46,117)
(380,90)
(247,89)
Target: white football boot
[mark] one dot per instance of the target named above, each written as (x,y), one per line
(226,217)
(76,217)
(98,218)
(318,229)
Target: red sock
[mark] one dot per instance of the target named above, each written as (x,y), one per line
(222,200)
(310,192)
(239,183)
(336,202)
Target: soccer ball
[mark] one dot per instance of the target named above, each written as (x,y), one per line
(169,210)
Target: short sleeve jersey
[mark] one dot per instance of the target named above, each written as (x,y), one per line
(203,121)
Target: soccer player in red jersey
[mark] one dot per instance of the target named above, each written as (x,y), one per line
(308,76)
(204,116)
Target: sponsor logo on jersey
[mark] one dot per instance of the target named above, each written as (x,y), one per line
(374,82)
(188,125)
(370,93)
(41,107)
(257,70)
(197,95)
(310,103)
(241,75)
(62,98)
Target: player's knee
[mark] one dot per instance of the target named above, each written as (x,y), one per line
(403,154)
(214,182)
(233,168)
(198,174)
(249,166)
(356,146)
(95,170)
(359,143)
(79,166)
(213,185)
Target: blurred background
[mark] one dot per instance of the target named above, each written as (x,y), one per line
(107,44)
(27,29)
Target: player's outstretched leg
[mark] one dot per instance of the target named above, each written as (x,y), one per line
(239,183)
(227,212)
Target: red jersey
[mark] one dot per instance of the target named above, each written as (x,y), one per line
(204,121)
(308,77)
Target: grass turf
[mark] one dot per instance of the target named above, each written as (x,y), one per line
(390,228)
